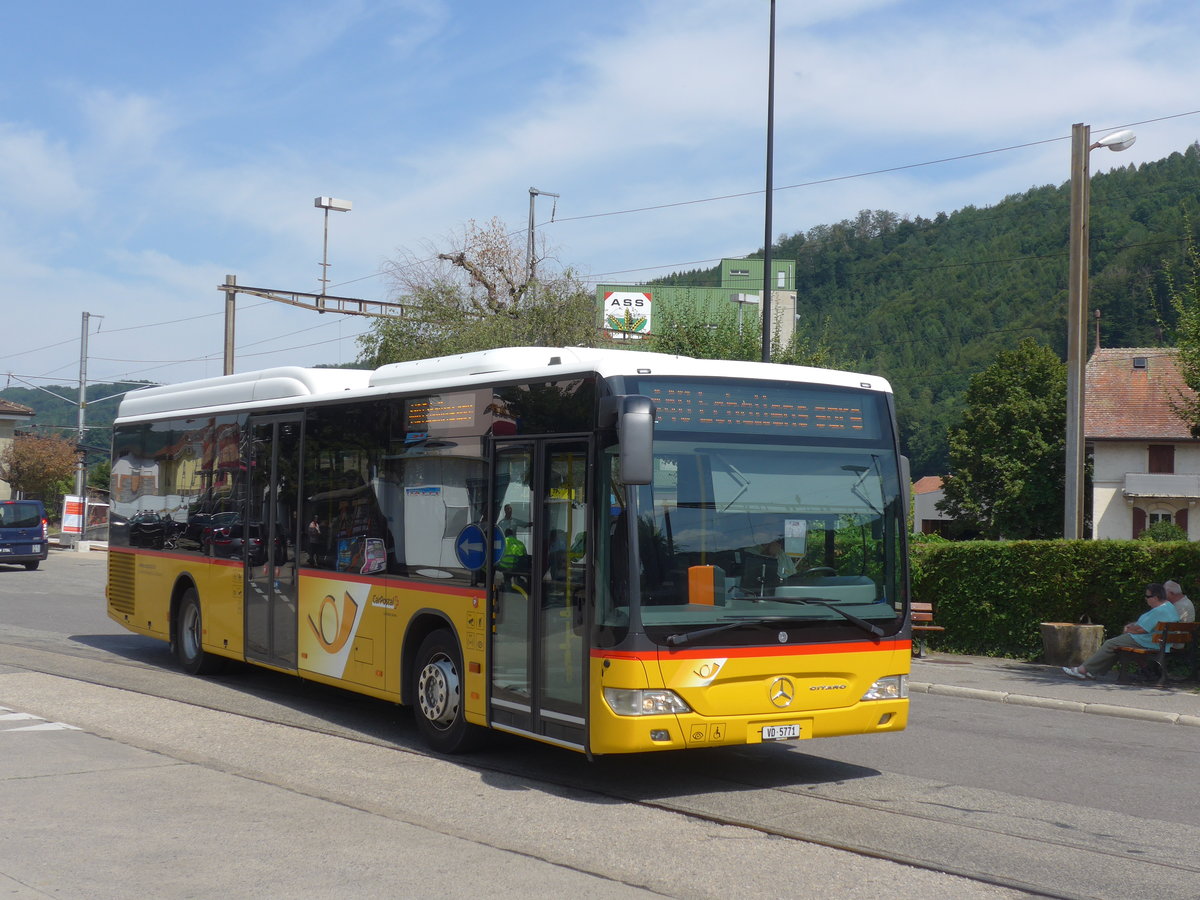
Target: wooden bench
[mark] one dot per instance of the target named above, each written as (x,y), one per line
(1172,639)
(922,621)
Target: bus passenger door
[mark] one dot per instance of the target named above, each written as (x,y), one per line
(539,653)
(269,554)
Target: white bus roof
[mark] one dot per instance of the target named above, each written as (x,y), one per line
(283,386)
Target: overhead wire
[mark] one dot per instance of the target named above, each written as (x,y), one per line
(609,213)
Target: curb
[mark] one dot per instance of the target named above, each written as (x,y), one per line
(1096,709)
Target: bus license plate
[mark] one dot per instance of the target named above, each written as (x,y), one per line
(780,732)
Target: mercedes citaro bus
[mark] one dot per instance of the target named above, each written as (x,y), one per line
(611,551)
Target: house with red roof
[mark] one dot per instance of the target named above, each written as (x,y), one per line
(1146,464)
(12,416)
(927,518)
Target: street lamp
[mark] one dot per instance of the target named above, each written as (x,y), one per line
(328,203)
(741,300)
(1077,295)
(766,294)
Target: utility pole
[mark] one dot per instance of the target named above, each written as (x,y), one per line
(530,262)
(1077,302)
(328,203)
(230,314)
(81,465)
(766,298)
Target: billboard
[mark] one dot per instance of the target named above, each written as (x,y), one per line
(627,313)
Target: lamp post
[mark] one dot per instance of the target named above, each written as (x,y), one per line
(328,203)
(1077,296)
(766,294)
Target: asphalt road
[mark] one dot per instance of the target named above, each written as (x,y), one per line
(1018,799)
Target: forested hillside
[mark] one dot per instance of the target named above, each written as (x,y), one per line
(929,302)
(57,409)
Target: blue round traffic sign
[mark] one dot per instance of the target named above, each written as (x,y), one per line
(471,548)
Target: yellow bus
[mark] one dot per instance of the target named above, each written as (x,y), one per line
(609,551)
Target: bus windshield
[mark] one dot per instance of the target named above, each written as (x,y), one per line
(802,533)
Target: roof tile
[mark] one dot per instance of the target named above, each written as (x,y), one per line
(1127,403)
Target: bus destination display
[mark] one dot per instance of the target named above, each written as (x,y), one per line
(773,408)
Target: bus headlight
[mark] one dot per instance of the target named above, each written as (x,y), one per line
(644,703)
(894,687)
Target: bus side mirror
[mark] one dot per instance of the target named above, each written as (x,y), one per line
(906,489)
(633,416)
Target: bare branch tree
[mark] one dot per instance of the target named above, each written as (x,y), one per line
(478,294)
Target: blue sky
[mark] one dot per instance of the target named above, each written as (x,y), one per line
(148,149)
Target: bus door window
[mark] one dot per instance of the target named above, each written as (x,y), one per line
(268,538)
(564,517)
(540,490)
(513,490)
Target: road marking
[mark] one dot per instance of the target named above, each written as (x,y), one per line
(44,726)
(7,715)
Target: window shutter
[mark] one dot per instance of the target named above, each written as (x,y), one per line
(1162,459)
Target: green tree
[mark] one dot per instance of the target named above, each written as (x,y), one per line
(1163,532)
(39,466)
(1006,453)
(689,331)
(1185,300)
(99,475)
(476,296)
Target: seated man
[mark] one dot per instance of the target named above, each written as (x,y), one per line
(1136,634)
(1183,603)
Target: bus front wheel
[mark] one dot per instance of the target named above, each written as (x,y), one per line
(189,630)
(439,696)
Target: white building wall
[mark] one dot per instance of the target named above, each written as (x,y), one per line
(1112,512)
(924,509)
(1112,517)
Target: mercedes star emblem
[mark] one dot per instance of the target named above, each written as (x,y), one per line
(782,692)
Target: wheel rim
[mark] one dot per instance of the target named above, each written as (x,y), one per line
(189,631)
(439,691)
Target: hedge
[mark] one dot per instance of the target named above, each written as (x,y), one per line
(991,595)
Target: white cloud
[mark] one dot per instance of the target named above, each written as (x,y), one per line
(419,22)
(37,174)
(145,194)
(124,130)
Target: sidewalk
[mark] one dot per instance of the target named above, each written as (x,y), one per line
(1034,684)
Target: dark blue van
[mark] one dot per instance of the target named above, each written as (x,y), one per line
(23,536)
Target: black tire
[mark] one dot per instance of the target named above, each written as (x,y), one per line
(189,627)
(438,696)
(32,565)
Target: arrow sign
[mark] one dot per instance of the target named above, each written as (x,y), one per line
(471,548)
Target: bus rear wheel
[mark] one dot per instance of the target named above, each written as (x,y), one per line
(189,630)
(437,671)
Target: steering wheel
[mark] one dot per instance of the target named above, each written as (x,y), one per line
(818,570)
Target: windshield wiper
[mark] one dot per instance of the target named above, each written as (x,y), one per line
(849,617)
(742,481)
(856,488)
(689,637)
